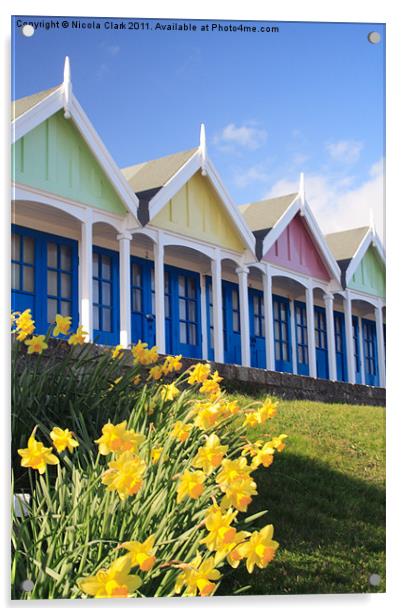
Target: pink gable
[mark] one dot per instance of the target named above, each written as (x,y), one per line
(296,250)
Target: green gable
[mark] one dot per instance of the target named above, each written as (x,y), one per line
(54,157)
(370,274)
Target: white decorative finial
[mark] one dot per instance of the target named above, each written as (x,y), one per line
(302,193)
(372,226)
(67,86)
(203,149)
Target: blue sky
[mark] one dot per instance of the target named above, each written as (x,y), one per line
(308,98)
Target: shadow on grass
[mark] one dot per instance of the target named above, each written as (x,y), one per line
(330,526)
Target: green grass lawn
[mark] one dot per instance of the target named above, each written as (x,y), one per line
(325,495)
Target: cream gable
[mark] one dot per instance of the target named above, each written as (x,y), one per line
(197,212)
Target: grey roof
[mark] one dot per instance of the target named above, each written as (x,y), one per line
(154,174)
(344,244)
(263,215)
(21,105)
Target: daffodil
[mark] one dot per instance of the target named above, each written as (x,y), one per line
(239,494)
(117,439)
(36,455)
(125,475)
(155,373)
(251,419)
(267,410)
(181,431)
(137,379)
(63,439)
(142,554)
(156,453)
(172,363)
(263,456)
(277,442)
(210,455)
(197,577)
(79,337)
(260,548)
(117,352)
(36,344)
(232,471)
(63,325)
(207,414)
(114,582)
(24,324)
(211,387)
(218,523)
(143,355)
(199,373)
(169,392)
(191,484)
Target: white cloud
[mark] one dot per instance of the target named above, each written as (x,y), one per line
(347,152)
(248,136)
(251,176)
(336,204)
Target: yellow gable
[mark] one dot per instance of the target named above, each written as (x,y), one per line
(197,211)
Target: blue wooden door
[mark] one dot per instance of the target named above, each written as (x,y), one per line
(183,312)
(231,323)
(210,317)
(321,342)
(257,328)
(301,338)
(340,346)
(142,301)
(282,334)
(105,298)
(44,276)
(356,350)
(370,352)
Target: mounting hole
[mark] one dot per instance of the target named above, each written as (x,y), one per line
(375,579)
(27,585)
(374,37)
(28,30)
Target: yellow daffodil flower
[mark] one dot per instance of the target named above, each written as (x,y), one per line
(207,414)
(36,344)
(232,471)
(155,373)
(251,419)
(117,352)
(267,410)
(117,439)
(181,431)
(218,523)
(142,554)
(36,455)
(169,392)
(260,549)
(199,373)
(137,379)
(79,337)
(125,475)
(191,484)
(143,355)
(63,439)
(210,455)
(24,324)
(277,442)
(115,582)
(63,325)
(263,456)
(238,495)
(172,364)
(156,454)
(197,577)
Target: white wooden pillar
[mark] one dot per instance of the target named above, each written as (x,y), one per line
(204,312)
(216,270)
(329,317)
(269,320)
(311,332)
(85,276)
(293,335)
(125,288)
(350,345)
(361,352)
(380,345)
(159,280)
(242,273)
